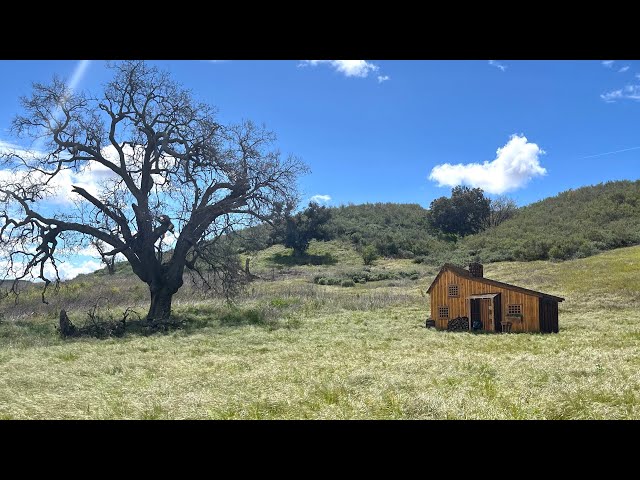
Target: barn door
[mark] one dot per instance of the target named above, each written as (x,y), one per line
(486,312)
(497,313)
(475,311)
(482,310)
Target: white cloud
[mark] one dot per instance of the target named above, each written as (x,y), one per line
(383,78)
(515,164)
(321,198)
(8,147)
(350,68)
(608,63)
(93,177)
(60,187)
(638,75)
(629,92)
(624,69)
(69,270)
(499,65)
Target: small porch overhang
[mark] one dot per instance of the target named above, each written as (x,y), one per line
(483,295)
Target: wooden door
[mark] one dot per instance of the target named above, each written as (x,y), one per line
(497,313)
(486,314)
(482,309)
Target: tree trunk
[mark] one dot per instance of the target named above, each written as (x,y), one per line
(160,309)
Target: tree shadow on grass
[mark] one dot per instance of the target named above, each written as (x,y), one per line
(186,321)
(289,260)
(189,321)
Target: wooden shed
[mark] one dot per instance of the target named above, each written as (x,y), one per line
(457,292)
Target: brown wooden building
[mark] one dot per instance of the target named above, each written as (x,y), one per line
(456,292)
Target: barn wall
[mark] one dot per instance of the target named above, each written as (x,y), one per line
(458,306)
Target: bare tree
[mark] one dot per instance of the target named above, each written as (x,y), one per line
(167,166)
(108,260)
(502,208)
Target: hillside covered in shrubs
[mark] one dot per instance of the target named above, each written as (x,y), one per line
(573,224)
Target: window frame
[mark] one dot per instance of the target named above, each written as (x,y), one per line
(441,308)
(511,313)
(457,289)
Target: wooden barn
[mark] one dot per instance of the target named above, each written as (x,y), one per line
(490,305)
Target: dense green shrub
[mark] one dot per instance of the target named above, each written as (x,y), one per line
(364,277)
(369,254)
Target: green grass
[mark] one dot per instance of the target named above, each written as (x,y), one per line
(293,349)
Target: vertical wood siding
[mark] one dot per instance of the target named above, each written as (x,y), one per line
(458,306)
(548,316)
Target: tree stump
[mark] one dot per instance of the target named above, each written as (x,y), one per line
(67,329)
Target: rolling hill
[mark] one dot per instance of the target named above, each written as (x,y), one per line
(574,224)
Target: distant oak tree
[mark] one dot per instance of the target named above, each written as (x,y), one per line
(297,230)
(170,167)
(465,213)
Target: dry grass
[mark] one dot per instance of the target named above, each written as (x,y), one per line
(292,349)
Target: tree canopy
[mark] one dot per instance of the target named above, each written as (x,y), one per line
(299,229)
(465,213)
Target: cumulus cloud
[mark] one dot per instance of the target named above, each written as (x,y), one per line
(629,92)
(623,69)
(350,68)
(93,177)
(515,164)
(90,178)
(499,65)
(608,63)
(68,269)
(320,198)
(383,78)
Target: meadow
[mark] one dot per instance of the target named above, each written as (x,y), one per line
(292,348)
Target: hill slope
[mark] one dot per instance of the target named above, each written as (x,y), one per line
(395,229)
(574,224)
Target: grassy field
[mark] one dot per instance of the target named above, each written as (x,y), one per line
(292,348)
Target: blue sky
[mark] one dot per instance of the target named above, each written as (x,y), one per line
(403,131)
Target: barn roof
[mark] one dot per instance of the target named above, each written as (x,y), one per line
(465,273)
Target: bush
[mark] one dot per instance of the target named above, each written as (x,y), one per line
(369,254)
(347,283)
